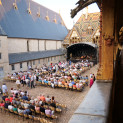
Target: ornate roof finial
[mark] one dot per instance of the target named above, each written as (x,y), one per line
(55,19)
(38,13)
(86,13)
(29,10)
(0,3)
(15,5)
(47,17)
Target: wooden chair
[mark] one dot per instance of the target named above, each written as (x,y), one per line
(41,120)
(26,116)
(43,83)
(70,88)
(42,114)
(63,86)
(38,112)
(54,117)
(36,119)
(66,86)
(6,110)
(33,111)
(74,88)
(48,116)
(49,83)
(45,106)
(58,110)
(59,86)
(79,89)
(52,108)
(21,115)
(63,106)
(15,112)
(31,117)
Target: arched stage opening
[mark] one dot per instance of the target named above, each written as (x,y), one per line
(82,51)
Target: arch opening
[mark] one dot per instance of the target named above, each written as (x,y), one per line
(82,51)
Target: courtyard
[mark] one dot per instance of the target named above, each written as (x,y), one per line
(71,99)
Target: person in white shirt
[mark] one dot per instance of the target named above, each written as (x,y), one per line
(18,83)
(4,88)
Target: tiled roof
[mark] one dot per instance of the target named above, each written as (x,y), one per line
(82,25)
(18,23)
(27,56)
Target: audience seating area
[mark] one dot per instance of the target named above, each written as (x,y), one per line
(30,108)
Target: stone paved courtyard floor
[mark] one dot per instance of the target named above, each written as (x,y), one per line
(71,98)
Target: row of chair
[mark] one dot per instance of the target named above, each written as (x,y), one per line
(9,79)
(31,117)
(60,86)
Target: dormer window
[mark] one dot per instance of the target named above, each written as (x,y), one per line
(15,5)
(47,18)
(38,13)
(29,10)
(55,21)
(89,30)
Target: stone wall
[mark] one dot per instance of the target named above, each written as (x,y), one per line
(4,62)
(16,45)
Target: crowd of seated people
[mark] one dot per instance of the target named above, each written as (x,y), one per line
(55,74)
(21,102)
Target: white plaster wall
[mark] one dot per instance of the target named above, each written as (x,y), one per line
(24,66)
(41,45)
(50,45)
(17,67)
(16,45)
(59,44)
(4,49)
(4,61)
(33,45)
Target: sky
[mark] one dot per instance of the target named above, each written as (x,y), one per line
(64,8)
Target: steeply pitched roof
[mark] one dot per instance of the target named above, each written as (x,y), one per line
(27,56)
(19,24)
(82,24)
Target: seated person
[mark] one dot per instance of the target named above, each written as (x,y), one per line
(20,110)
(48,100)
(42,98)
(27,111)
(11,98)
(42,109)
(7,99)
(74,85)
(25,97)
(48,111)
(32,106)
(10,107)
(53,102)
(4,97)
(7,103)
(70,84)
(2,104)
(15,108)
(37,108)
(26,105)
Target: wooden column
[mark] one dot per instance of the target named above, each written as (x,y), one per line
(107,44)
